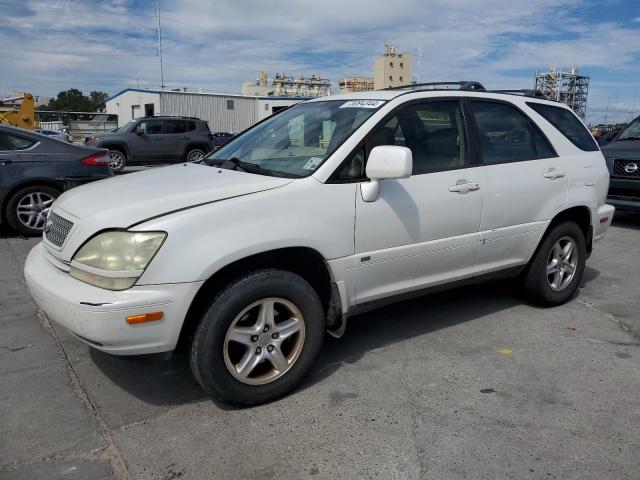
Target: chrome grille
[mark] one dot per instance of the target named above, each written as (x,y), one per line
(626,168)
(57,229)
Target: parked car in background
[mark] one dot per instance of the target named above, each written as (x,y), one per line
(323,211)
(156,140)
(35,169)
(220,138)
(623,161)
(59,135)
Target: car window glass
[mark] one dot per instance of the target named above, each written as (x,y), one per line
(568,124)
(298,140)
(4,145)
(543,149)
(150,127)
(176,126)
(354,168)
(14,142)
(504,133)
(433,131)
(190,126)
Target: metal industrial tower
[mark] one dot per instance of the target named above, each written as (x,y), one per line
(565,86)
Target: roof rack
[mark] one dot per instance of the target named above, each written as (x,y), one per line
(523,92)
(464,85)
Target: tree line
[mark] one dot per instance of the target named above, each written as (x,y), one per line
(73,100)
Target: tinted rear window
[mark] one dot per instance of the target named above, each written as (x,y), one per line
(15,142)
(568,124)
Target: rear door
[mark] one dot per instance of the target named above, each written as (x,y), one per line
(524,183)
(179,138)
(148,141)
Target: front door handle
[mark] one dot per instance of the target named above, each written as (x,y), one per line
(185,138)
(462,186)
(5,162)
(552,174)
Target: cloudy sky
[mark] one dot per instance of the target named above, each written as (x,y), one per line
(50,45)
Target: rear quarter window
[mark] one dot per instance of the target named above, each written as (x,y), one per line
(15,142)
(568,124)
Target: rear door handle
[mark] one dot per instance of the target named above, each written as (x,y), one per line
(552,174)
(462,186)
(185,138)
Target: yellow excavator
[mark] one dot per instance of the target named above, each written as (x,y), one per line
(23,116)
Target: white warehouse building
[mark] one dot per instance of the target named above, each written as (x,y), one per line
(223,112)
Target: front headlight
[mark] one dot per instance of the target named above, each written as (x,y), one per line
(115,260)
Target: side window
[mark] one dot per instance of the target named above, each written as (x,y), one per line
(504,133)
(190,126)
(13,142)
(176,126)
(354,168)
(543,149)
(568,124)
(433,131)
(150,127)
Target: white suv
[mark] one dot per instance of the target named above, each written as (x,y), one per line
(328,208)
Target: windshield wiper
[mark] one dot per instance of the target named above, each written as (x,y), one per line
(629,138)
(237,164)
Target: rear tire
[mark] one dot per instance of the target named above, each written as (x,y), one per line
(27,209)
(277,356)
(556,269)
(195,155)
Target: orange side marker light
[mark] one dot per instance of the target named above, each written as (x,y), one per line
(144,318)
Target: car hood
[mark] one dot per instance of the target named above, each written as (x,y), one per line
(129,199)
(629,149)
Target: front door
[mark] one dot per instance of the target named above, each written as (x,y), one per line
(524,184)
(420,231)
(148,141)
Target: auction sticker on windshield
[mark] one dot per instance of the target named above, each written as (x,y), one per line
(362,104)
(312,163)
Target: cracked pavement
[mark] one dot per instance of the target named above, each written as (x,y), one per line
(471,383)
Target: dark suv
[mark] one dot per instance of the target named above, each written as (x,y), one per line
(623,161)
(152,140)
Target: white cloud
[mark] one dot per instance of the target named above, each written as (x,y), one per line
(219,45)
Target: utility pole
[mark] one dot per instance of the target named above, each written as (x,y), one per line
(160,48)
(419,61)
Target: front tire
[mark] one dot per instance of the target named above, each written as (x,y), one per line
(556,269)
(259,338)
(27,209)
(118,160)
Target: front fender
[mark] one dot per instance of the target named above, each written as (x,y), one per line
(202,240)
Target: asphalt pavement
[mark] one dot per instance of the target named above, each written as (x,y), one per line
(468,384)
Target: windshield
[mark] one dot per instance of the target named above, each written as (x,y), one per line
(632,131)
(124,127)
(296,141)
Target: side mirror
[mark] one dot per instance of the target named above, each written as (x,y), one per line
(386,162)
(139,132)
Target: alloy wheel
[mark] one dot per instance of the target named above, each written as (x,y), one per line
(117,160)
(562,263)
(33,208)
(196,156)
(264,341)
